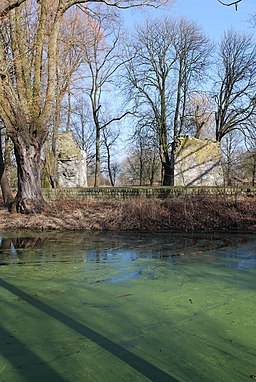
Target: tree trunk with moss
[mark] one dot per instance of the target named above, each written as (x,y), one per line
(4,183)
(29,196)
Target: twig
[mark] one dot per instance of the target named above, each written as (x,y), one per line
(3,368)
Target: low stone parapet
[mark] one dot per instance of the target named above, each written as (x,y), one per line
(122,193)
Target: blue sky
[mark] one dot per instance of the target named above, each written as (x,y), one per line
(209,14)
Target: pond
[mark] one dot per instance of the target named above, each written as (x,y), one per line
(135,306)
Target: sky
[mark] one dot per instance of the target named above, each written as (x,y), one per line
(214,18)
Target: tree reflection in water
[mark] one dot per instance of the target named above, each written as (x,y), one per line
(122,247)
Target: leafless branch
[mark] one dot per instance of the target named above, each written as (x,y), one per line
(7,5)
(122,4)
(235,3)
(116,119)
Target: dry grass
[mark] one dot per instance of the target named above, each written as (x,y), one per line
(181,214)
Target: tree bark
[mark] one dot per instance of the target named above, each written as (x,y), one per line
(29,196)
(4,183)
(254,171)
(167,163)
(168,168)
(112,182)
(5,188)
(97,158)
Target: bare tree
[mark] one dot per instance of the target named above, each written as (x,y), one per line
(152,59)
(168,58)
(236,83)
(69,60)
(230,149)
(82,126)
(249,164)
(102,58)
(142,165)
(109,139)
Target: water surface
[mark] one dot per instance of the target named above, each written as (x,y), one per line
(127,307)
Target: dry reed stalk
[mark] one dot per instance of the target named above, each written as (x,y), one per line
(174,214)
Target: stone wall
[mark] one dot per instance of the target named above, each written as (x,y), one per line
(198,163)
(123,193)
(72,169)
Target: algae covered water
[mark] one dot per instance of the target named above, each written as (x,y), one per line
(127,307)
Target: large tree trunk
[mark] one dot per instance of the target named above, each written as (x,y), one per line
(169,166)
(168,174)
(172,160)
(4,183)
(29,196)
(5,187)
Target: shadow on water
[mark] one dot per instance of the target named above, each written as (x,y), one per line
(139,364)
(44,371)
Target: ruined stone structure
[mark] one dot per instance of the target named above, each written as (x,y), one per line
(198,163)
(72,169)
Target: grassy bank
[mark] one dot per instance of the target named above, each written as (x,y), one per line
(215,213)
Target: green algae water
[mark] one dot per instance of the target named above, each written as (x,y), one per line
(114,307)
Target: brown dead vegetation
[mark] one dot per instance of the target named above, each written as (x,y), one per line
(175,214)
